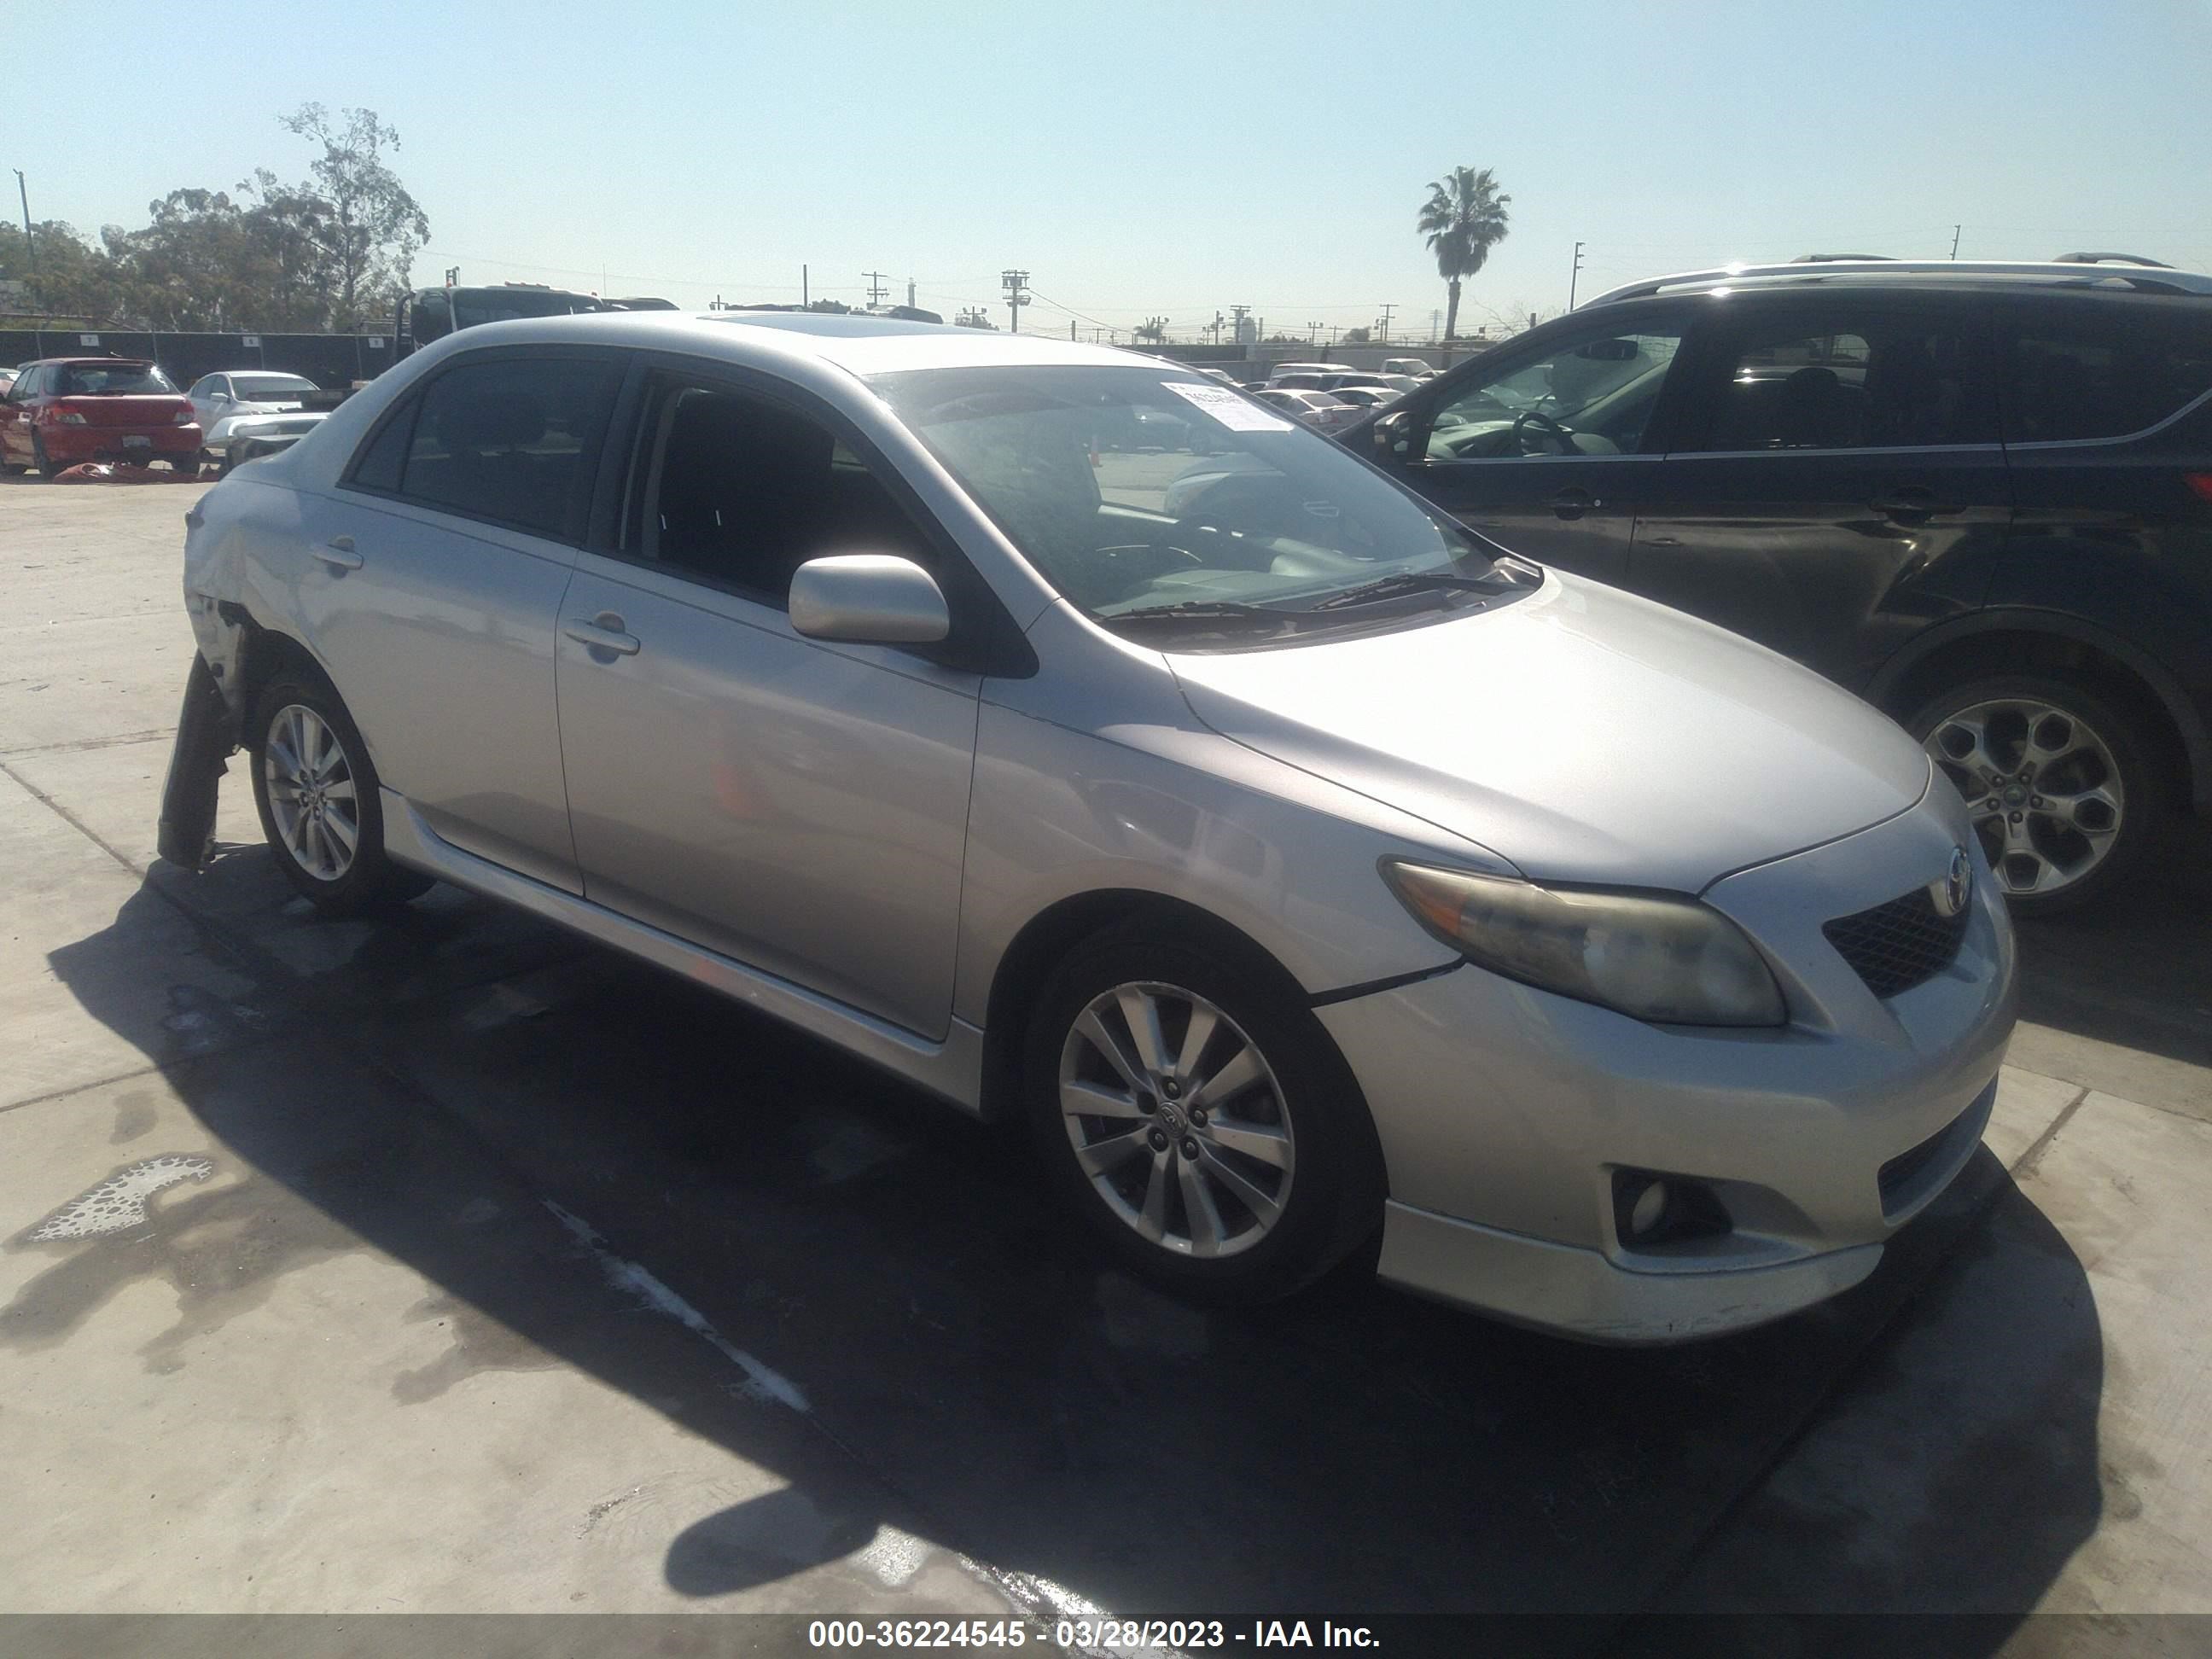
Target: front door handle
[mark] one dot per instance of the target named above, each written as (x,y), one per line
(339,554)
(602,633)
(1911,502)
(1572,502)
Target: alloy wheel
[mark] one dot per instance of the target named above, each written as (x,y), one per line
(1176,1119)
(310,785)
(2042,786)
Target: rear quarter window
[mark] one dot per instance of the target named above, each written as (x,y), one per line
(2104,375)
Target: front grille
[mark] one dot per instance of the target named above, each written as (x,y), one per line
(1899,944)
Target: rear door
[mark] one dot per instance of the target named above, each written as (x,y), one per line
(1838,484)
(1546,447)
(435,575)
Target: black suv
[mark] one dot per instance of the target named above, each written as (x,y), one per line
(1979,496)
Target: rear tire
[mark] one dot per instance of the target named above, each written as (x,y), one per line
(316,792)
(2066,789)
(1235,1168)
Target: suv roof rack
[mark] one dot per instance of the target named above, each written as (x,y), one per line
(2156,279)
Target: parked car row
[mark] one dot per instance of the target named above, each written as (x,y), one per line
(59,412)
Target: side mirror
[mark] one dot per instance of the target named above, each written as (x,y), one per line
(868,599)
(1393,436)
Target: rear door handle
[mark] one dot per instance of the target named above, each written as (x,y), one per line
(1572,502)
(602,633)
(339,554)
(1912,503)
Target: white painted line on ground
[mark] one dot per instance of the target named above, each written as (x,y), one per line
(761,1382)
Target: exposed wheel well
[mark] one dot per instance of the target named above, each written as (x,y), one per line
(1050,935)
(267,654)
(2029,650)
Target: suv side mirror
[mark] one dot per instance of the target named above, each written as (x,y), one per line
(1393,436)
(868,599)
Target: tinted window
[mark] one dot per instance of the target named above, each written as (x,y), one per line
(2104,375)
(741,491)
(271,388)
(381,463)
(1852,383)
(1583,397)
(117,379)
(512,439)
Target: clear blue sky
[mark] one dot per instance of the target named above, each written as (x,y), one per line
(1140,158)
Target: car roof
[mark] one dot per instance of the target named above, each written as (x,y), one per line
(861,345)
(94,362)
(1925,276)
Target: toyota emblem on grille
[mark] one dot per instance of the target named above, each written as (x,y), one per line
(1950,895)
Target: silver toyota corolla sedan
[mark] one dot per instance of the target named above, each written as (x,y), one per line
(1296,866)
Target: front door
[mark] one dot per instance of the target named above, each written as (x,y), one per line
(798,804)
(1545,449)
(1839,485)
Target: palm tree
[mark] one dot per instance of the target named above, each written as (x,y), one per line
(1463,218)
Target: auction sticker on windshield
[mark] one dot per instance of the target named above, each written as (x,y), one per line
(1237,413)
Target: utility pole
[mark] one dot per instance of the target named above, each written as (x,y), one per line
(30,248)
(1237,315)
(1955,229)
(1387,310)
(910,305)
(1017,284)
(1216,326)
(877,292)
(805,297)
(1574,276)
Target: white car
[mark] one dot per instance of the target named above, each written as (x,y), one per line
(252,403)
(1367,396)
(1412,367)
(1321,410)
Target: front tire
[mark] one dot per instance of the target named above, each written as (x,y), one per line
(317,795)
(2062,784)
(1196,1120)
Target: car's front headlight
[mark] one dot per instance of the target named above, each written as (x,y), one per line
(1657,958)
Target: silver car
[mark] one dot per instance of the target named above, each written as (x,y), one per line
(250,403)
(1294,865)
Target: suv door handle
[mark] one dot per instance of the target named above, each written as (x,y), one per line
(339,554)
(602,633)
(1572,502)
(1911,502)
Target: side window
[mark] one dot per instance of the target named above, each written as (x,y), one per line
(2103,375)
(380,464)
(202,389)
(1876,381)
(1587,396)
(26,386)
(740,490)
(515,439)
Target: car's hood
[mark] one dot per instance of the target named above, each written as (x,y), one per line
(1581,733)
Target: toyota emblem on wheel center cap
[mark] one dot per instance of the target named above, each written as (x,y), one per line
(1949,894)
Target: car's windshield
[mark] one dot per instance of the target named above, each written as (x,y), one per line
(270,388)
(112,380)
(1140,492)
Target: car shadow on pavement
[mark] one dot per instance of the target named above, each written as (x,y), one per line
(2134,970)
(598,1166)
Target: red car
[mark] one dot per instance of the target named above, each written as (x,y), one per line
(63,410)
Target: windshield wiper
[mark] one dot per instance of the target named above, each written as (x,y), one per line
(1205,610)
(1408,581)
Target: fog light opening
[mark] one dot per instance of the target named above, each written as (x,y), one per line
(1650,1210)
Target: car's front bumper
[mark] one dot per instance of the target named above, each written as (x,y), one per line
(1505,1112)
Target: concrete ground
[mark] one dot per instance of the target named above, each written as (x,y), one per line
(451,1265)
